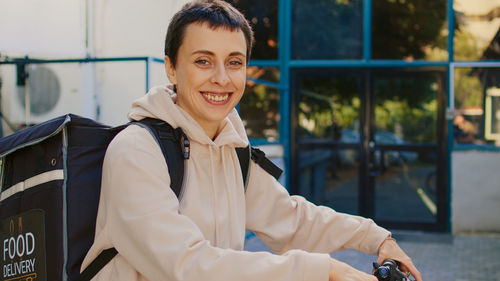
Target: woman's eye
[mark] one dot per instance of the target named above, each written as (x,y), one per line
(202,62)
(235,63)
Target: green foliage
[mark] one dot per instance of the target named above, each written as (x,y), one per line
(408,29)
(405,105)
(410,103)
(418,123)
(468,89)
(465,46)
(259,110)
(327,105)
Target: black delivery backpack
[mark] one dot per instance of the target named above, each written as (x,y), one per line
(50,187)
(50,181)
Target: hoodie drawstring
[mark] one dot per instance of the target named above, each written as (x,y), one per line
(214,191)
(228,183)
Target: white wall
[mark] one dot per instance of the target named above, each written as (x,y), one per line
(42,29)
(475,191)
(48,27)
(129,28)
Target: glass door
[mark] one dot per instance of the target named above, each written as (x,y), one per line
(372,143)
(407,148)
(327,140)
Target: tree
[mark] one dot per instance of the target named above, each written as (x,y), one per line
(406,29)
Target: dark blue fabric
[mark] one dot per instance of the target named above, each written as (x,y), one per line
(34,160)
(170,145)
(30,134)
(43,130)
(87,144)
(28,162)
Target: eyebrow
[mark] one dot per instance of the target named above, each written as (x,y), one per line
(206,52)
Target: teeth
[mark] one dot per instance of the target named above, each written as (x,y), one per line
(216,97)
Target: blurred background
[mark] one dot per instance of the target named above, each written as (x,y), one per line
(388,109)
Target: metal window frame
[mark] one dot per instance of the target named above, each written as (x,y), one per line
(148,61)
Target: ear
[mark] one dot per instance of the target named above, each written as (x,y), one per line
(170,70)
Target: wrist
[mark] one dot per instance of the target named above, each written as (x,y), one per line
(389,239)
(334,269)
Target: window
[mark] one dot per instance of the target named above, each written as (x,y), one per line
(327,29)
(409,29)
(406,106)
(477,34)
(259,107)
(263,16)
(329,108)
(477,111)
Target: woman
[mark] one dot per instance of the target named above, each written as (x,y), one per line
(200,236)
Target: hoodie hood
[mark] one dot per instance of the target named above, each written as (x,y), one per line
(160,103)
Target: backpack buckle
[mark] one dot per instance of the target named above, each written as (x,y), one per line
(257,155)
(185,144)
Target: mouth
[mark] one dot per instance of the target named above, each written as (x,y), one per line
(216,98)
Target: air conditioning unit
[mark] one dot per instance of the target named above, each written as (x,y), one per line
(51,89)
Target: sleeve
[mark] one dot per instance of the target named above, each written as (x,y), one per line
(144,225)
(286,222)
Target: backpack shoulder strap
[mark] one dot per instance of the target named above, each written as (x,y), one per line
(259,157)
(244,159)
(174,145)
(96,265)
(175,148)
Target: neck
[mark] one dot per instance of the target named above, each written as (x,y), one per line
(212,129)
(211,132)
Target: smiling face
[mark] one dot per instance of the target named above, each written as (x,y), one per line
(210,73)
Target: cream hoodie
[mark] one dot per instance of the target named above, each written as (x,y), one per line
(201,236)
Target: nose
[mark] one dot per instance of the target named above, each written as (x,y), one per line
(220,75)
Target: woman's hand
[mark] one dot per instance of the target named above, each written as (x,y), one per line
(340,271)
(389,249)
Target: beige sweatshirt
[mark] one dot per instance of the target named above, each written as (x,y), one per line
(201,236)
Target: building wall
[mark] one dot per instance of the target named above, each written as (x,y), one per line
(111,28)
(475,191)
(128,28)
(50,27)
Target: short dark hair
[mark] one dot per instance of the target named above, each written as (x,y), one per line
(216,13)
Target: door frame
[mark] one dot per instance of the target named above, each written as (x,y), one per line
(366,188)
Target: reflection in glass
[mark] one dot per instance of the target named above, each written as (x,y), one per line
(406,108)
(474,118)
(263,17)
(406,187)
(270,74)
(343,181)
(477,29)
(259,109)
(329,108)
(410,29)
(493,115)
(330,177)
(327,29)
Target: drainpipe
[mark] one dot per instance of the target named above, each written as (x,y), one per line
(90,105)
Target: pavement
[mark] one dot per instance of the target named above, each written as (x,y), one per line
(438,256)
